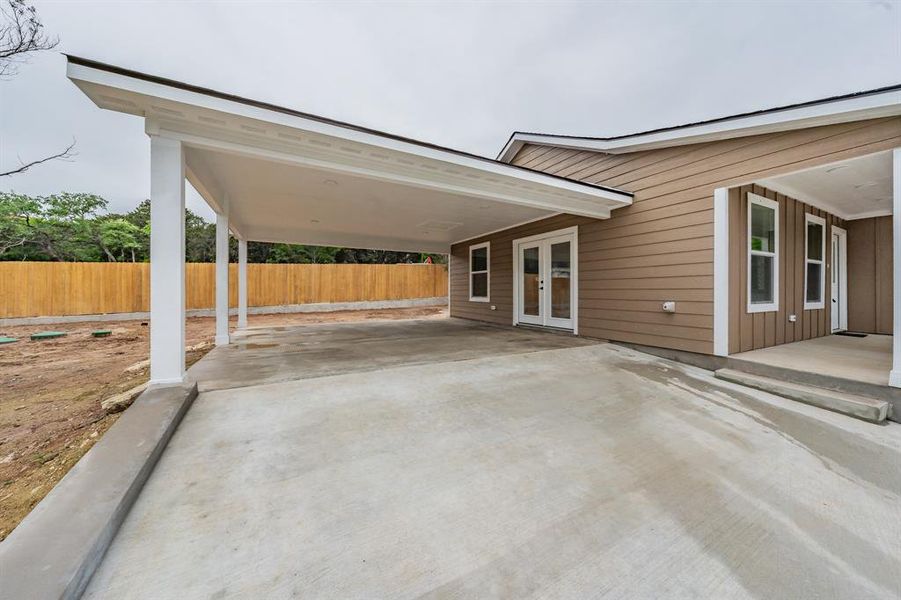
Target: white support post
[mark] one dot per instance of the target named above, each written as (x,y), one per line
(167,261)
(221,280)
(894,378)
(242,284)
(721,272)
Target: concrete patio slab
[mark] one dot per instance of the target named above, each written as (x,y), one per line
(578,472)
(866,359)
(270,355)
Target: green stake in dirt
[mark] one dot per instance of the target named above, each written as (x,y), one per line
(8,340)
(102,333)
(47,335)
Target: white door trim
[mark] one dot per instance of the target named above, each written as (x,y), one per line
(843,283)
(573,233)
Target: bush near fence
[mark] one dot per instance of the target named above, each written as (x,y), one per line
(30,289)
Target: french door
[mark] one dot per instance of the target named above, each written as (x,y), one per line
(545,286)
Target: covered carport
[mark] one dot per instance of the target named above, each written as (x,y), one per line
(277,175)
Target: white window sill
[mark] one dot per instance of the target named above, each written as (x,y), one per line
(471,299)
(815,306)
(762,308)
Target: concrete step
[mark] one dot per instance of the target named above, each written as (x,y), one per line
(861,407)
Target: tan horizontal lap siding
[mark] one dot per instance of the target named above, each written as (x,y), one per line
(750,331)
(670,224)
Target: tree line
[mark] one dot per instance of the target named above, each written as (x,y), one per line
(78,227)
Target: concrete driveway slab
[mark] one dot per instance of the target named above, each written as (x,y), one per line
(581,472)
(270,355)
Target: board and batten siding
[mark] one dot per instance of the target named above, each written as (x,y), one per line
(661,247)
(750,331)
(870,264)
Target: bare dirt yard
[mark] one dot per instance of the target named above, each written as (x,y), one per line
(50,392)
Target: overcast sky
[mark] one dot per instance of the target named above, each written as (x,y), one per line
(463,75)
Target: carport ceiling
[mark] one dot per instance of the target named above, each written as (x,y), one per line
(271,201)
(282,175)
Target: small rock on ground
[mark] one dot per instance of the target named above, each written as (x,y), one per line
(120,402)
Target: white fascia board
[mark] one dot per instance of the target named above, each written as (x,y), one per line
(872,106)
(149,90)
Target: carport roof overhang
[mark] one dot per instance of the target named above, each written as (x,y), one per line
(286,176)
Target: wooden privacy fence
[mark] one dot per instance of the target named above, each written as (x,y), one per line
(30,289)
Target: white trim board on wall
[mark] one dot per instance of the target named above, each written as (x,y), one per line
(721,271)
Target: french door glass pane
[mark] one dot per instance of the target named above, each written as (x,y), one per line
(762,279)
(561,267)
(814,291)
(530,283)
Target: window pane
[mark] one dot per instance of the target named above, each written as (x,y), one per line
(815,241)
(814,291)
(762,279)
(531,295)
(763,228)
(560,272)
(479,285)
(479,260)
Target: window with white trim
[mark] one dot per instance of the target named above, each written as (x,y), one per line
(479,272)
(763,254)
(814,262)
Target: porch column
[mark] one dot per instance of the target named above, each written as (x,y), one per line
(242,284)
(167,261)
(721,272)
(221,279)
(894,379)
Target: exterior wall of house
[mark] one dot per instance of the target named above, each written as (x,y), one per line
(500,258)
(870,266)
(749,331)
(661,247)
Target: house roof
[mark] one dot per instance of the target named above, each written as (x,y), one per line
(282,175)
(93,64)
(867,104)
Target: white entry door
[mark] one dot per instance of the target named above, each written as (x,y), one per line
(839,279)
(545,279)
